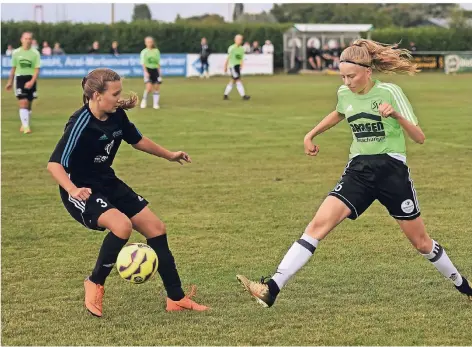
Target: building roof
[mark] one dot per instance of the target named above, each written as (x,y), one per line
(353,28)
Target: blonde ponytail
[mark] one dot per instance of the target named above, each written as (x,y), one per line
(379,56)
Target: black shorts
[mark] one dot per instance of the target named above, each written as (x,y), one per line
(118,196)
(153,76)
(235,72)
(21,92)
(204,60)
(378,177)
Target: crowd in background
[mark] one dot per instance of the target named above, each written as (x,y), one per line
(46,50)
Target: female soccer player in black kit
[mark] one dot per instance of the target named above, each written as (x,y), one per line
(96,198)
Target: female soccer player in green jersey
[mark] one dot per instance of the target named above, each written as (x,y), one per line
(235,61)
(25,64)
(378,114)
(151,62)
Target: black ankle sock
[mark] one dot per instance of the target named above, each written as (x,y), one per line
(111,246)
(166,268)
(273,288)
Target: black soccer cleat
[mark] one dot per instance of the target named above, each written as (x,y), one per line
(225,97)
(259,290)
(465,289)
(246,97)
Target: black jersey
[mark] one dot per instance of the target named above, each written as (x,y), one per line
(88,146)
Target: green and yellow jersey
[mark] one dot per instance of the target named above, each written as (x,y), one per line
(25,61)
(150,58)
(235,55)
(372,133)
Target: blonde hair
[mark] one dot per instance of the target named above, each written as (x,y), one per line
(153,41)
(96,81)
(379,56)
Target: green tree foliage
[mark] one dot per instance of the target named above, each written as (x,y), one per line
(141,12)
(380,15)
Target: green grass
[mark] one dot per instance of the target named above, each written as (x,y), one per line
(247,196)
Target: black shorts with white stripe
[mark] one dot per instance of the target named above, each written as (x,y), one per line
(378,177)
(235,72)
(118,195)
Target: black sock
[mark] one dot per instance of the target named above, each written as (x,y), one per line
(111,246)
(273,288)
(166,268)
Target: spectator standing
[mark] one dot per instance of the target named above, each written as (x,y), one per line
(114,49)
(255,48)
(9,51)
(57,50)
(204,55)
(268,47)
(95,48)
(46,49)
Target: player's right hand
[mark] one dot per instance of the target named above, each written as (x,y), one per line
(81,194)
(310,149)
(8,86)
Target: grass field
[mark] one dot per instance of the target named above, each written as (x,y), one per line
(247,196)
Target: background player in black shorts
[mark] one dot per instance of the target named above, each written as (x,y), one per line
(24,74)
(96,198)
(378,114)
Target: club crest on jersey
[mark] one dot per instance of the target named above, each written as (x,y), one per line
(109,147)
(375,105)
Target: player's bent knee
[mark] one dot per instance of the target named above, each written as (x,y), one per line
(117,222)
(122,228)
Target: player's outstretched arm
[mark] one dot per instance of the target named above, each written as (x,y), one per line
(328,122)
(149,146)
(62,178)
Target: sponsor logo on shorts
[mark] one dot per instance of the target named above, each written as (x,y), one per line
(408,206)
(140,198)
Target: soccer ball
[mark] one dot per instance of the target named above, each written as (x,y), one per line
(137,263)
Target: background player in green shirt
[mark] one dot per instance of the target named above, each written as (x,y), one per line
(235,61)
(151,62)
(25,64)
(378,114)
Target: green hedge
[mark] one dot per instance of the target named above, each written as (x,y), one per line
(427,38)
(185,38)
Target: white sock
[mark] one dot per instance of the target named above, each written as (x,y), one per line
(229,88)
(240,87)
(296,257)
(444,265)
(29,116)
(24,116)
(145,95)
(155,98)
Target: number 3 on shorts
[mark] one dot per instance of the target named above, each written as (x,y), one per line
(102,203)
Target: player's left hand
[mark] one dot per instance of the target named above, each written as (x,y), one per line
(387,110)
(29,85)
(179,156)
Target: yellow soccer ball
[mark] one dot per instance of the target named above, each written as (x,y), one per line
(137,263)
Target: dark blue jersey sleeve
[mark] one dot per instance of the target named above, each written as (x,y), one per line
(131,134)
(69,139)
(62,148)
